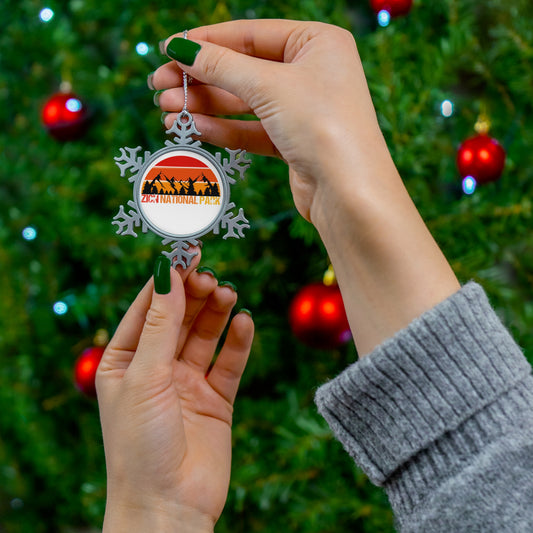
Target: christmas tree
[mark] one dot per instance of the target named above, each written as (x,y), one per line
(66,274)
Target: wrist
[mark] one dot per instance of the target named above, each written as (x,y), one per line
(362,191)
(352,170)
(163,517)
(389,267)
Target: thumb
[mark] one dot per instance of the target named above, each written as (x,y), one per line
(210,63)
(160,333)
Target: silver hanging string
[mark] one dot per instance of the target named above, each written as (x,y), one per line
(185,82)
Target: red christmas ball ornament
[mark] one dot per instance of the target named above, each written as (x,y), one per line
(317,316)
(85,370)
(481,157)
(395,8)
(65,116)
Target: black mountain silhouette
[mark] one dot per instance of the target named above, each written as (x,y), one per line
(186,187)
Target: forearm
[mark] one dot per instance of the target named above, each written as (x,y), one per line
(389,267)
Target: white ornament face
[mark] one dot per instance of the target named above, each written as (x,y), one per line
(181,192)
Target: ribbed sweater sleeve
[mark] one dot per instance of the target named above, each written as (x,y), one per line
(441,416)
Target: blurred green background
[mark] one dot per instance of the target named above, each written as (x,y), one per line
(288,472)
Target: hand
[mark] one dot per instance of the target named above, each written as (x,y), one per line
(166,415)
(305,83)
(303,80)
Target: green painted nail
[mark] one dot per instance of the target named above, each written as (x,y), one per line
(201,270)
(149,81)
(246,311)
(183,50)
(232,286)
(156,97)
(162,275)
(163,117)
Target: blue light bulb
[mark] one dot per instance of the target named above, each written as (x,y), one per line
(60,308)
(383,18)
(73,104)
(29,233)
(469,185)
(142,49)
(46,14)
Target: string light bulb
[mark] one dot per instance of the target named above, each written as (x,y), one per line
(29,233)
(60,308)
(384,18)
(46,14)
(142,48)
(469,185)
(446,108)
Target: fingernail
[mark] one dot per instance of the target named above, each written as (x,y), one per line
(201,270)
(246,311)
(162,275)
(163,117)
(162,46)
(232,286)
(149,81)
(183,50)
(156,97)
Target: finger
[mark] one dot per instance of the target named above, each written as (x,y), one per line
(198,287)
(207,329)
(126,337)
(166,76)
(227,371)
(157,343)
(264,39)
(121,348)
(232,133)
(235,72)
(242,56)
(203,98)
(261,38)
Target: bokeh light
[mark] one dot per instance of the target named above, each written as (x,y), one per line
(469,185)
(383,18)
(74,105)
(446,108)
(46,14)
(29,233)
(142,49)
(60,308)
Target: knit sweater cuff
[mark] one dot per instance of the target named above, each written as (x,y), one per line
(429,378)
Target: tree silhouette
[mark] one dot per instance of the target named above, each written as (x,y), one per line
(147,189)
(207,191)
(190,187)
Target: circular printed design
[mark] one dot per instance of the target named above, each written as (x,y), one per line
(181,194)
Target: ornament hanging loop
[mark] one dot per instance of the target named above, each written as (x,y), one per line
(185,118)
(329,277)
(483,123)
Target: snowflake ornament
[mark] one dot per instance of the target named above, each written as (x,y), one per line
(181,192)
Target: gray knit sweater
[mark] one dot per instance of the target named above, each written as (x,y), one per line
(441,416)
